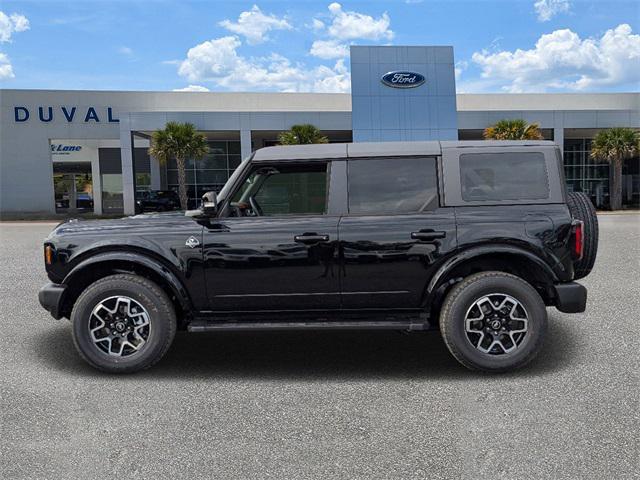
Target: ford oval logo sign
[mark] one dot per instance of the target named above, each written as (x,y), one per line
(402,79)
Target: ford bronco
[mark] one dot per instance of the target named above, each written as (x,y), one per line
(472,238)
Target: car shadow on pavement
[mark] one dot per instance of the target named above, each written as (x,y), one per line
(317,355)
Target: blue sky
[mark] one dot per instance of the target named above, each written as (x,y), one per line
(500,46)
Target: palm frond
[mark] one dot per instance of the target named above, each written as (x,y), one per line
(516,129)
(615,145)
(179,141)
(301,135)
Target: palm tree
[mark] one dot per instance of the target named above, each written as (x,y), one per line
(614,146)
(302,134)
(180,141)
(516,129)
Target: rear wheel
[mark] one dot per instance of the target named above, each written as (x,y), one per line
(493,321)
(582,209)
(123,323)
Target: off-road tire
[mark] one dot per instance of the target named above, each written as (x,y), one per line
(581,208)
(463,295)
(162,320)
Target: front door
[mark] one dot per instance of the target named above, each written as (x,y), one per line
(73,187)
(275,247)
(394,233)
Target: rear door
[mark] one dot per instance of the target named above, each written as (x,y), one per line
(394,232)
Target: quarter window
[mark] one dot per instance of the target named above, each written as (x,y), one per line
(503,176)
(392,185)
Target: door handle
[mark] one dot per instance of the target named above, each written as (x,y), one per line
(310,238)
(428,235)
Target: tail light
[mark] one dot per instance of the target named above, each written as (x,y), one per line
(578,239)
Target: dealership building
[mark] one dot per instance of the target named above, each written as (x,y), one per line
(67,151)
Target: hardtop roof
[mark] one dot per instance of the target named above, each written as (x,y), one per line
(380,149)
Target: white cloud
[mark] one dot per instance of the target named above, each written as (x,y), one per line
(329,49)
(346,25)
(192,88)
(219,62)
(332,80)
(125,51)
(547,9)
(254,25)
(460,67)
(6,70)
(317,25)
(210,59)
(10,24)
(562,60)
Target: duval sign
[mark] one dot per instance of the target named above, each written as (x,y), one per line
(403,79)
(66,113)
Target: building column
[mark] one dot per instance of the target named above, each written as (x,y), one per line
(245,143)
(156,181)
(558,138)
(96,181)
(126,158)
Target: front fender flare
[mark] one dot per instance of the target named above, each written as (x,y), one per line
(176,286)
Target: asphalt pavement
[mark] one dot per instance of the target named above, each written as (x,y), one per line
(323,404)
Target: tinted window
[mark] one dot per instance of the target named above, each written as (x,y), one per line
(286,190)
(392,185)
(503,176)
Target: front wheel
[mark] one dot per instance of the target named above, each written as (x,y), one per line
(123,323)
(493,321)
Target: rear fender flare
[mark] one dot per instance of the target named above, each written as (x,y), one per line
(466,255)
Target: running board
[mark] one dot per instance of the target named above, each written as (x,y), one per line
(199,326)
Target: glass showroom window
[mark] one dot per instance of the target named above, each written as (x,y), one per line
(209,173)
(112,201)
(584,174)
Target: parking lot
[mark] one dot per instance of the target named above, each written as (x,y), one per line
(328,404)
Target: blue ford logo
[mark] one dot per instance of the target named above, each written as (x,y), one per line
(401,79)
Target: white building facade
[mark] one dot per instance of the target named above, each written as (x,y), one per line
(86,151)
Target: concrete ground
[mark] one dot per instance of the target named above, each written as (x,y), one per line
(324,405)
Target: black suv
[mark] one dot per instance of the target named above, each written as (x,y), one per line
(157,201)
(473,238)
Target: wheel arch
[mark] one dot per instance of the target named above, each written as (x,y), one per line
(508,259)
(110,263)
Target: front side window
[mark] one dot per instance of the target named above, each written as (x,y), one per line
(503,176)
(392,186)
(283,190)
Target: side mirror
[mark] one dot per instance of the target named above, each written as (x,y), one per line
(210,204)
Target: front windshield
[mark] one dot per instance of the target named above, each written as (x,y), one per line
(224,193)
(246,187)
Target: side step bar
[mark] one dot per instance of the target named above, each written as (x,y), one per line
(200,326)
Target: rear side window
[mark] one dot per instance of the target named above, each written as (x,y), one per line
(503,176)
(392,185)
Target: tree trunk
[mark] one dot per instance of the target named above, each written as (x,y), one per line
(182,183)
(615,195)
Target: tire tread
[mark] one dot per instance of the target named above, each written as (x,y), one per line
(445,323)
(165,305)
(581,208)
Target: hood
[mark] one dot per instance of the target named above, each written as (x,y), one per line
(132,223)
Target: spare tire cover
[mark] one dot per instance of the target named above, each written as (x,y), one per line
(581,208)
